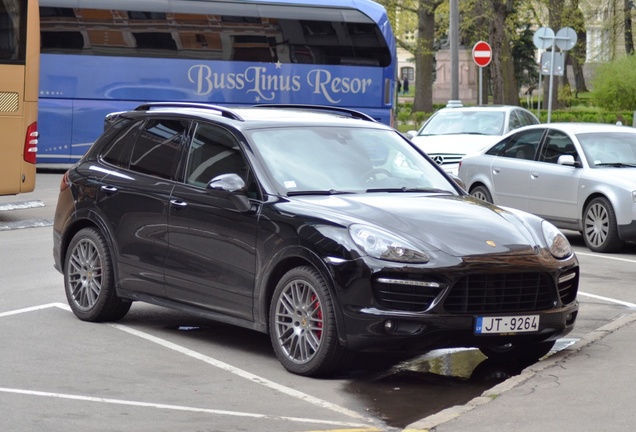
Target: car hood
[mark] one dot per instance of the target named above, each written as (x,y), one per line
(458,226)
(625,176)
(454,144)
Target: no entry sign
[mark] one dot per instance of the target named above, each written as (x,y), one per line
(482,53)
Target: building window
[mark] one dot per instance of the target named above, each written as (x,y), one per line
(408,72)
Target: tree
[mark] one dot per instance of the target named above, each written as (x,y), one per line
(627,13)
(525,63)
(504,83)
(576,20)
(424,47)
(496,22)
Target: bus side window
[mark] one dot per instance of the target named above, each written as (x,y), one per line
(8,35)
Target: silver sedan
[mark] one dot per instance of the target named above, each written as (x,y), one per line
(579,176)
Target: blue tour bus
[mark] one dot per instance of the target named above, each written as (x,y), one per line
(101,56)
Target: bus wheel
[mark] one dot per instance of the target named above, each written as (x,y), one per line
(89,281)
(302,324)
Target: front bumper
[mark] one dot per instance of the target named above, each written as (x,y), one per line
(374,330)
(376,317)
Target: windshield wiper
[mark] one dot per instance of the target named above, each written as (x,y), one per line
(617,164)
(406,189)
(318,192)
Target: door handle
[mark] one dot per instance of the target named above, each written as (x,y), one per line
(109,189)
(178,203)
(534,174)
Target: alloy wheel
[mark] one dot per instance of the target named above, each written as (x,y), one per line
(85,274)
(597,225)
(299,321)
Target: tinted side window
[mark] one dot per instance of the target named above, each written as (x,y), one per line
(528,118)
(556,144)
(157,148)
(497,149)
(213,152)
(117,151)
(524,145)
(516,120)
(273,33)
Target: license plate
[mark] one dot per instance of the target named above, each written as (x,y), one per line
(507,324)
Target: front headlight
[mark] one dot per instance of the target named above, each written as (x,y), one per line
(385,246)
(557,243)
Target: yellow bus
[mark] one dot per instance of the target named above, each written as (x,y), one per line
(19,76)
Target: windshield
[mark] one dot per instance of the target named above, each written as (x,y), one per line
(465,122)
(344,160)
(609,148)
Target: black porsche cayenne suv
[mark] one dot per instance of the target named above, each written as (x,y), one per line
(319,226)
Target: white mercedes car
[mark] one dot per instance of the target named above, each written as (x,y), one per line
(451,133)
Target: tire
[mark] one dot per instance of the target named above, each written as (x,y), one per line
(89,281)
(600,230)
(481,192)
(302,324)
(517,353)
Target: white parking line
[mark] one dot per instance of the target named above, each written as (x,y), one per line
(606,257)
(209,360)
(35,308)
(607,299)
(240,372)
(175,407)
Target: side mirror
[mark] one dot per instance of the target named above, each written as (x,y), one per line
(232,187)
(412,133)
(568,160)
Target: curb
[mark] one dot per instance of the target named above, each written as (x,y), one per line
(551,361)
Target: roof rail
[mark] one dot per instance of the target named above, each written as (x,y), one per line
(350,112)
(225,112)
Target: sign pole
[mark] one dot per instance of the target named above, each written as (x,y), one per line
(551,82)
(482,54)
(480,85)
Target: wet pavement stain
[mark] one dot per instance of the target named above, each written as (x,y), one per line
(417,388)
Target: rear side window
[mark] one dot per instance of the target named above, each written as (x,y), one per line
(524,145)
(157,149)
(117,152)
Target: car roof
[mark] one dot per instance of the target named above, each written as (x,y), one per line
(576,127)
(259,116)
(483,108)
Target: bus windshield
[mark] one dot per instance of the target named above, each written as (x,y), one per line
(327,52)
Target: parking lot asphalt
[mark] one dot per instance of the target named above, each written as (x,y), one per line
(586,386)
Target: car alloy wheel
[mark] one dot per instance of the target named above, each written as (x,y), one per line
(600,230)
(88,279)
(84,274)
(302,324)
(482,193)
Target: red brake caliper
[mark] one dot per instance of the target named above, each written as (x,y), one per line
(319,309)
